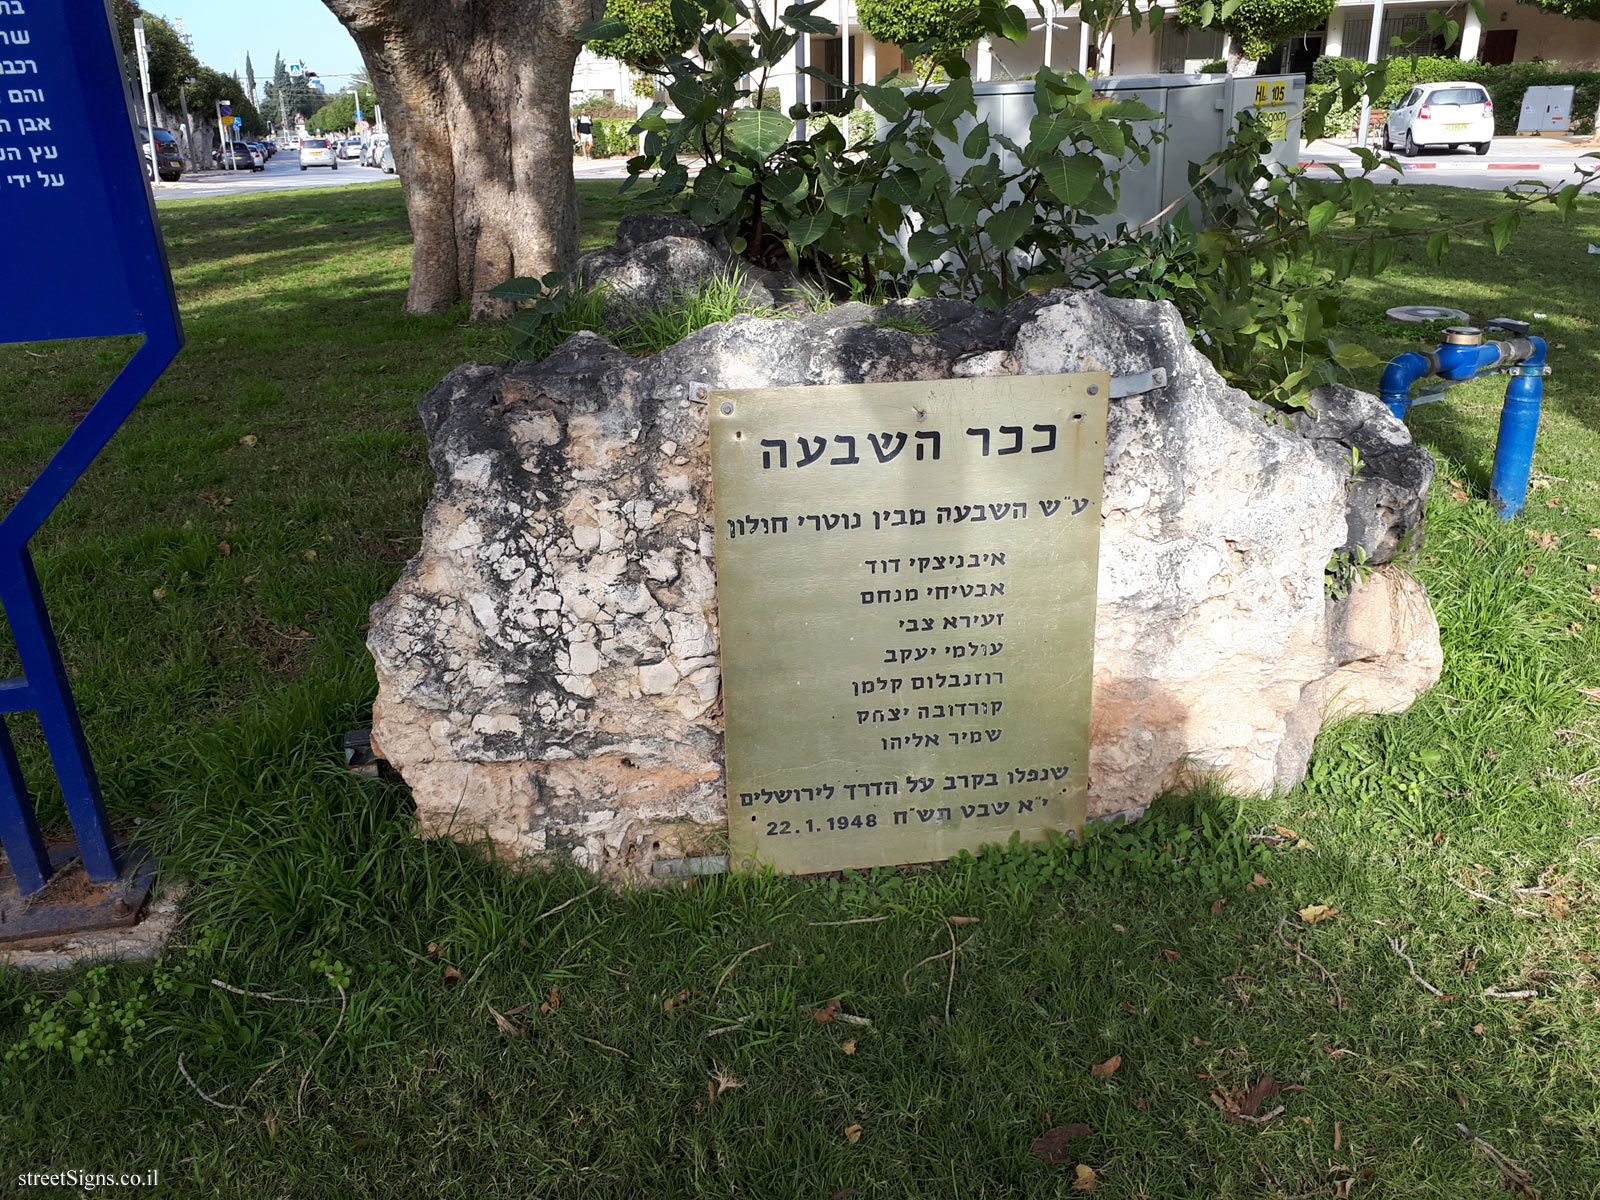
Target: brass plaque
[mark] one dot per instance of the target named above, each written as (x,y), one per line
(906,589)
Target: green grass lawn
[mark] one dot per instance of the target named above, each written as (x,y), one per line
(210,581)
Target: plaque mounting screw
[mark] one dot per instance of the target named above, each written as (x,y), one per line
(1094,389)
(727,410)
(700,393)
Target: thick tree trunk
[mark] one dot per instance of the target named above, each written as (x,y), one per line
(475,95)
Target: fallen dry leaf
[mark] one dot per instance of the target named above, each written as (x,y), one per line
(1591,693)
(451,975)
(1120,928)
(1312,914)
(1478,1029)
(505,1024)
(1216,906)
(248,439)
(1050,1146)
(1108,1068)
(224,549)
(1086,1181)
(1171,955)
(962,920)
(1545,541)
(1285,831)
(1260,880)
(1199,1041)
(553,1003)
(824,1014)
(1243,1102)
(852,1134)
(1458,496)
(1302,844)
(848,1045)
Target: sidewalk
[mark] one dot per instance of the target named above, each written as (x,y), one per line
(1533,156)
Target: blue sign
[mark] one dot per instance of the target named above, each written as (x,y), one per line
(84,258)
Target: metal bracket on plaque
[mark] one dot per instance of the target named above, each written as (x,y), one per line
(1123,386)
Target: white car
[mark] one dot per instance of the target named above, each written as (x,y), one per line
(318,152)
(350,148)
(1440,114)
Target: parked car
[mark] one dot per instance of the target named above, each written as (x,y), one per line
(350,148)
(237,156)
(386,159)
(1440,114)
(168,164)
(374,151)
(318,152)
(258,148)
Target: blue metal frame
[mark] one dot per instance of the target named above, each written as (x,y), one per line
(89,262)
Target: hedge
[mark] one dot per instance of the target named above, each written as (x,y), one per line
(611,136)
(1505,84)
(862,124)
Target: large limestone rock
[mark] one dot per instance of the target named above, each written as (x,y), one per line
(659,257)
(547,664)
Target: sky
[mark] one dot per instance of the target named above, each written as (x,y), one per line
(298,29)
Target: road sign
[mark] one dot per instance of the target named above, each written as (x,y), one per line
(296,70)
(85,260)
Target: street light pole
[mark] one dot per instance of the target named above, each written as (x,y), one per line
(144,83)
(1374,40)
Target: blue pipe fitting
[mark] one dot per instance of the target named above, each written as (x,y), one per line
(1463,356)
(1403,371)
(1519,426)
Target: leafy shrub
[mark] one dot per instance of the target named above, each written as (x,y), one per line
(936,24)
(857,125)
(653,29)
(1257,25)
(1220,67)
(1256,271)
(1505,83)
(613,136)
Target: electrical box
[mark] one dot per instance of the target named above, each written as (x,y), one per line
(1546,109)
(1195,115)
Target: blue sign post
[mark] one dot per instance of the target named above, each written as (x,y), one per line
(84,258)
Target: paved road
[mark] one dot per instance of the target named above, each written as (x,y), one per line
(283,173)
(1510,159)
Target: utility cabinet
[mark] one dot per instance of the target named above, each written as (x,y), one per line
(1546,109)
(1195,113)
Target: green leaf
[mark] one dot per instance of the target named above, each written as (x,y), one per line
(1353,357)
(803,18)
(1013,24)
(1319,216)
(976,144)
(886,101)
(901,187)
(923,246)
(1438,246)
(787,186)
(526,288)
(1070,180)
(849,201)
(758,131)
(1501,229)
(1004,228)
(807,228)
(605,29)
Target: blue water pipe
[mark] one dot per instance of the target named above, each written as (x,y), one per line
(1462,354)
